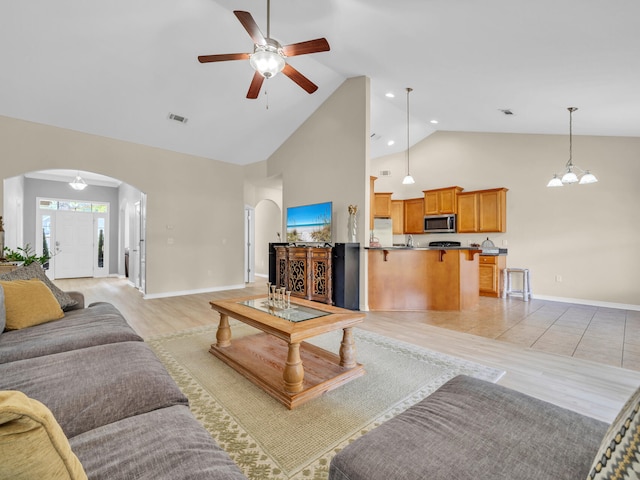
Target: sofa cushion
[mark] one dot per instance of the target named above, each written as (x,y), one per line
(32,444)
(28,303)
(619,453)
(99,324)
(164,444)
(94,386)
(35,270)
(470,429)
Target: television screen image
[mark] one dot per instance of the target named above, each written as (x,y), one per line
(309,223)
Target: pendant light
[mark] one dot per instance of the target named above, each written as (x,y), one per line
(408,180)
(78,183)
(570,176)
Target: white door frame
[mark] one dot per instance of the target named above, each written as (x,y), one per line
(249,241)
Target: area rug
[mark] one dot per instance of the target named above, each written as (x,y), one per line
(267,440)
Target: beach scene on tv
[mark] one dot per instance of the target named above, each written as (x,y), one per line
(309,223)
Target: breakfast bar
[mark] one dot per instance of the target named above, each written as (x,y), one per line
(408,279)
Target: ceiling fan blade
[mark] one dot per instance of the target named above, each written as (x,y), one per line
(223,57)
(300,79)
(250,26)
(310,46)
(256,85)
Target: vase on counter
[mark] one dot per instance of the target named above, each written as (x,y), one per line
(353,224)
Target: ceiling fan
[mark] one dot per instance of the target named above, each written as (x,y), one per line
(269,57)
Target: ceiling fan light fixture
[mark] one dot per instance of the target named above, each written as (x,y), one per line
(267,60)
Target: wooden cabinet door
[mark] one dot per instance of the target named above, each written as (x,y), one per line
(397,216)
(382,205)
(490,268)
(448,200)
(431,203)
(467,213)
(492,210)
(442,200)
(414,215)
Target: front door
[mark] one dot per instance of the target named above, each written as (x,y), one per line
(73,244)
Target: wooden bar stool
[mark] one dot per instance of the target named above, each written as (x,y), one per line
(508,283)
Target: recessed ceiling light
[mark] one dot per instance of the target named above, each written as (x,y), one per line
(435,122)
(389,95)
(390,142)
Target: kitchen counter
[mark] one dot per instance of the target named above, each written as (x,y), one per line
(423,278)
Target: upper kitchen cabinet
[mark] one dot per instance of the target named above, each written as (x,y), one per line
(414,215)
(397,216)
(482,211)
(382,205)
(441,200)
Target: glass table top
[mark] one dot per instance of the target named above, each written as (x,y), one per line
(291,312)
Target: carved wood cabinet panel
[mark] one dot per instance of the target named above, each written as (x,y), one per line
(305,271)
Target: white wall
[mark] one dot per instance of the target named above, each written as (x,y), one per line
(587,234)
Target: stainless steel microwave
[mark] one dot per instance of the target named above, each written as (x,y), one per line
(445,223)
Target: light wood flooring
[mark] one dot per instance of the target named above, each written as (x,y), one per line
(570,355)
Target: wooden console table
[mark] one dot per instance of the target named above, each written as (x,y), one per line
(306,272)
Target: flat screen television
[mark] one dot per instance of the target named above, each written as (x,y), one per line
(309,223)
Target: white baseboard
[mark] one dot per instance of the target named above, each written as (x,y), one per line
(594,303)
(150,296)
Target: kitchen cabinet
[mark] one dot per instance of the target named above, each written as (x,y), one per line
(382,205)
(441,200)
(482,211)
(397,216)
(491,271)
(414,216)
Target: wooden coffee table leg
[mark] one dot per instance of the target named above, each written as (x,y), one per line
(293,370)
(223,335)
(348,349)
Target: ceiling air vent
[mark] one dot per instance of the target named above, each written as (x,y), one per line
(385,173)
(178,118)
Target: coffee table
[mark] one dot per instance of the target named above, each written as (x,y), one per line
(277,359)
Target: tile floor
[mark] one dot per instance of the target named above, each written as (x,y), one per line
(605,335)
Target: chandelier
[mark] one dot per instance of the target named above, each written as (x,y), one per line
(569,175)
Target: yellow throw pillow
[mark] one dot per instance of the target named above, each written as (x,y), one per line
(28,303)
(32,444)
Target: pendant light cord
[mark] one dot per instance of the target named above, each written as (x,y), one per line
(409,90)
(571,110)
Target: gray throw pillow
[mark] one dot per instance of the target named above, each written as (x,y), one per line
(35,270)
(3,312)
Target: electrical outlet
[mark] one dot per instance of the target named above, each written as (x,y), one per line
(504,243)
(558,278)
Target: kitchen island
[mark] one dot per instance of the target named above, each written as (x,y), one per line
(406,279)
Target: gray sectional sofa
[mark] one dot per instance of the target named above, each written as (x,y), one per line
(470,429)
(122,413)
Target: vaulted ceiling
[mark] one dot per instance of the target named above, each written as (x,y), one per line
(118,68)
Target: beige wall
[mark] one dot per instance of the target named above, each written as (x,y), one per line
(326,160)
(586,234)
(326,157)
(196,202)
